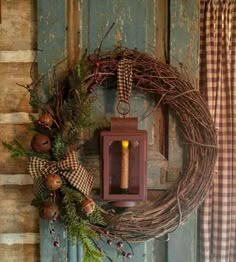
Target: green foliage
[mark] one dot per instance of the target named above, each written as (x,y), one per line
(35,100)
(96,217)
(32,118)
(17,150)
(59,147)
(82,68)
(77,227)
(76,110)
(71,105)
(38,200)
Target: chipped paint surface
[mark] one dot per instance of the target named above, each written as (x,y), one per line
(184,30)
(52,46)
(184,34)
(51,34)
(134,23)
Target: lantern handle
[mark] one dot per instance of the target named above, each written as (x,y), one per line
(124,85)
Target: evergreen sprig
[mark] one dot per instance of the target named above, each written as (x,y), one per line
(79,228)
(17,150)
(35,99)
(77,110)
(38,200)
(59,147)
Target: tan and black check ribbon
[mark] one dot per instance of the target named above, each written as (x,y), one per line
(124,80)
(70,169)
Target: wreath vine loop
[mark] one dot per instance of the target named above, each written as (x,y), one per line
(170,87)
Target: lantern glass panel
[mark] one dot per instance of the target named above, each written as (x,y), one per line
(124,169)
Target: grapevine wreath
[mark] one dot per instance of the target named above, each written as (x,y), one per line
(55,168)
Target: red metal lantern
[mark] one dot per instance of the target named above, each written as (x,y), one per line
(124,162)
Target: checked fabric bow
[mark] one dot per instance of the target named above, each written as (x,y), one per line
(69,168)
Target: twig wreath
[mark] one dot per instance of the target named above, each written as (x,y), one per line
(56,170)
(168,86)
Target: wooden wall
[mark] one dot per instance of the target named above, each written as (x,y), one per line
(19,227)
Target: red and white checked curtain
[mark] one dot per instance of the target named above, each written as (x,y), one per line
(217,216)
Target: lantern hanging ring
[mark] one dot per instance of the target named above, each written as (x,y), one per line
(123,108)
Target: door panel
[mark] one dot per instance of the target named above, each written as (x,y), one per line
(52,46)
(138,24)
(134,24)
(134,28)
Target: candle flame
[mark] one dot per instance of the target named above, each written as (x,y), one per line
(125,144)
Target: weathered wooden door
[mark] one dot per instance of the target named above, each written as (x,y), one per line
(63,26)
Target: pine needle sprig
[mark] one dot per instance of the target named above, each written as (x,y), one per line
(17,150)
(59,147)
(78,228)
(38,200)
(33,118)
(35,99)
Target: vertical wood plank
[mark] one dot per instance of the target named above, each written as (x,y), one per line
(51,39)
(182,243)
(0,11)
(72,32)
(161,27)
(134,24)
(183,53)
(52,46)
(49,253)
(134,28)
(156,250)
(72,252)
(51,34)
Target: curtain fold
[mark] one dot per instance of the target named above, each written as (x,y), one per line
(217,215)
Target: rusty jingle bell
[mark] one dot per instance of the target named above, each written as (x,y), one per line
(49,210)
(46,120)
(53,181)
(41,143)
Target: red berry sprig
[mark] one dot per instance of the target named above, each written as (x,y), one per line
(51,193)
(96,64)
(109,242)
(56,243)
(120,244)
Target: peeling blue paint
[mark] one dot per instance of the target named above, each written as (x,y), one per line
(133,27)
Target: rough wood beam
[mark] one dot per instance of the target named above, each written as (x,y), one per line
(22,238)
(16,179)
(72,32)
(19,56)
(15,118)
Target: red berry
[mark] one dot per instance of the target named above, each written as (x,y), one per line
(129,255)
(96,63)
(54,219)
(51,194)
(120,244)
(96,81)
(56,244)
(90,90)
(109,242)
(90,58)
(99,74)
(106,232)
